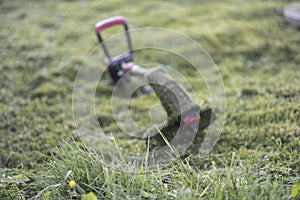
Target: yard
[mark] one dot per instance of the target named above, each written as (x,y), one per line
(42,47)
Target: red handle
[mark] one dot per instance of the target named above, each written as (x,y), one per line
(118,20)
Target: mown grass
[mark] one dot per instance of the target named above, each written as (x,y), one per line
(43,44)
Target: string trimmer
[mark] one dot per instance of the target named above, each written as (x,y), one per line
(182,112)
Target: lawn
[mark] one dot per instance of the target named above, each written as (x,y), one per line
(42,47)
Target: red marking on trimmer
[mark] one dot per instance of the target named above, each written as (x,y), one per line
(188,121)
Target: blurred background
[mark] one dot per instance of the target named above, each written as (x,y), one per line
(43,44)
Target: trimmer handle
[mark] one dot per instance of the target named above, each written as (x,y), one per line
(118,20)
(107,23)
